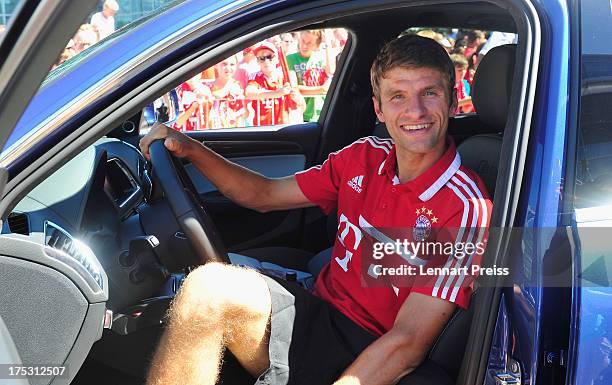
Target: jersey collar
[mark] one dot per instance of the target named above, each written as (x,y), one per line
(431,181)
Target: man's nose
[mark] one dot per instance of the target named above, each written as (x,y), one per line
(414,107)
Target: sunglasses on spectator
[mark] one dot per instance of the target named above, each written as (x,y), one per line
(267,57)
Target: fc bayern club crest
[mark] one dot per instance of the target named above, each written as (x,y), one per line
(422,228)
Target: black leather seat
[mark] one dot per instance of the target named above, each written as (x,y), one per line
(491,97)
(298,259)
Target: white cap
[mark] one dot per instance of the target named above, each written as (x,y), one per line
(112,4)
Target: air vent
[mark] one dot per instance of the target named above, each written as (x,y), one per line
(120,185)
(18,223)
(59,239)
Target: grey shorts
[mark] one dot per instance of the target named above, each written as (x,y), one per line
(310,341)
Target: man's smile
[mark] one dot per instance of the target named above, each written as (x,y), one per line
(415,127)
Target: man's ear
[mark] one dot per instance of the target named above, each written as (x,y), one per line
(377,110)
(454,103)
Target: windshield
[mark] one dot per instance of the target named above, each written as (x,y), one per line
(105,24)
(123,16)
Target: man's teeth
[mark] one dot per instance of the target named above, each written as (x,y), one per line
(414,127)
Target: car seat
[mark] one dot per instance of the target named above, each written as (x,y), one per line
(491,97)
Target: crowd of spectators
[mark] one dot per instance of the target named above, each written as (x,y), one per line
(283,79)
(100,26)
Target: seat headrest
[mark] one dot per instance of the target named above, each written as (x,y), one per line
(493,84)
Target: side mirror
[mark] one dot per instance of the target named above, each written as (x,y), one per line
(164,110)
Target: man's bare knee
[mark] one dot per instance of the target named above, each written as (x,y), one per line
(196,301)
(222,294)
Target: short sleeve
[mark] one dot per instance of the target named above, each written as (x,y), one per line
(321,184)
(467,230)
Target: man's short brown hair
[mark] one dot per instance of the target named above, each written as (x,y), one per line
(411,51)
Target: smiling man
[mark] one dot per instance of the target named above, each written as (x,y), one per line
(343,332)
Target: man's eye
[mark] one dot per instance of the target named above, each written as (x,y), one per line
(397,97)
(431,93)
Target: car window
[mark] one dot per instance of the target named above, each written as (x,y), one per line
(281,80)
(7,8)
(594,156)
(110,17)
(466,48)
(128,18)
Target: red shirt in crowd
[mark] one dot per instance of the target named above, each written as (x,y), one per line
(268,111)
(361,182)
(227,110)
(199,115)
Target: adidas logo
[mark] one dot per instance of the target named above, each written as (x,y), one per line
(356,183)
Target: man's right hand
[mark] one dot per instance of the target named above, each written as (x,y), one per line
(179,144)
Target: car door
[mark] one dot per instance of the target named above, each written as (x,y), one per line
(31,43)
(590,346)
(275,153)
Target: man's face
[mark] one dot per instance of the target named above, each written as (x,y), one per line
(108,12)
(267,61)
(84,40)
(414,105)
(226,68)
(460,73)
(308,44)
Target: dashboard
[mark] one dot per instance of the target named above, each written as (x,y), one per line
(92,246)
(97,214)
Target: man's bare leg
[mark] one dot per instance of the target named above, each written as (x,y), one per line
(218,306)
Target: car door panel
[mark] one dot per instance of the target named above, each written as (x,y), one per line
(244,228)
(299,138)
(272,166)
(271,152)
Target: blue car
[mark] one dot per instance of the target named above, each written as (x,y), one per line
(96,241)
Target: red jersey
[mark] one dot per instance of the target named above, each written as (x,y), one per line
(227,110)
(199,115)
(268,111)
(361,182)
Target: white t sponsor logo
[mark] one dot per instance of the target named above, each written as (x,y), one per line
(347,232)
(356,183)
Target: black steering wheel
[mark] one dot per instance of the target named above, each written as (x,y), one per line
(186,205)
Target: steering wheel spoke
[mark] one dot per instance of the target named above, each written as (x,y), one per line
(186,206)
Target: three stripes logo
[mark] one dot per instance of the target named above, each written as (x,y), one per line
(356,183)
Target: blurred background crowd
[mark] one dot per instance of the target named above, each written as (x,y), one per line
(284,79)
